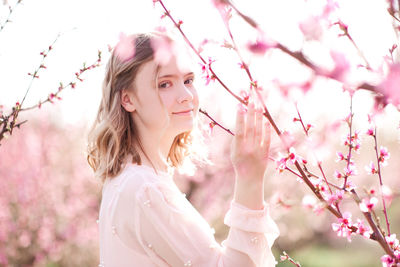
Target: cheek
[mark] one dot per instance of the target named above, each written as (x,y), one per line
(168,101)
(195,98)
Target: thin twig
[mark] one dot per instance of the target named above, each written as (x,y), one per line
(215,122)
(350,124)
(381,182)
(10,11)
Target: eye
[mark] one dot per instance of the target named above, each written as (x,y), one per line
(189,80)
(164,84)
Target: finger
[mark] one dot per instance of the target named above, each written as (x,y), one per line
(240,121)
(259,127)
(249,132)
(266,137)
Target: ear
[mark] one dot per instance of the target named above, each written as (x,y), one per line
(127,100)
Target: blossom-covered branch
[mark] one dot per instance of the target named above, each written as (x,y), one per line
(10,11)
(345,227)
(9,122)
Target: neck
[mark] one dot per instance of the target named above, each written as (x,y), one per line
(156,147)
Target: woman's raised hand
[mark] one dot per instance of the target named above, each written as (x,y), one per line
(250,146)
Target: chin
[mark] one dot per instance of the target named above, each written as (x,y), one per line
(188,128)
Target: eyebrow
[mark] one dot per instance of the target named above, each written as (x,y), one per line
(174,76)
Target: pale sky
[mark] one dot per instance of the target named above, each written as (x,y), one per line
(89,25)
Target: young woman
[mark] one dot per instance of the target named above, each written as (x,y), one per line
(143,130)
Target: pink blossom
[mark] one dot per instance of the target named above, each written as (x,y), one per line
(163,49)
(387,261)
(343,228)
(340,156)
(347,119)
(387,195)
(368,205)
(125,49)
(350,170)
(354,142)
(293,157)
(219,3)
(281,163)
(311,28)
(390,86)
(384,155)
(330,7)
(341,68)
(206,70)
(335,197)
(370,131)
(337,174)
(362,229)
(371,191)
(309,201)
(371,169)
(392,241)
(319,185)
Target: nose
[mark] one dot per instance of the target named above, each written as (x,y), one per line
(185,94)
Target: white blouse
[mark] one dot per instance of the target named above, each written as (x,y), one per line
(145,221)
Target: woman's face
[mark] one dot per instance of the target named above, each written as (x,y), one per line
(179,104)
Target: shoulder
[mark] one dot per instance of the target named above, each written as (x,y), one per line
(135,178)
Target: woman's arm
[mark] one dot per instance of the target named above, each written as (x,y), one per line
(249,155)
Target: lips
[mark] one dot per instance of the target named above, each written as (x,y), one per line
(183,111)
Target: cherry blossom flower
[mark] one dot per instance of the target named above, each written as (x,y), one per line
(163,49)
(368,205)
(319,185)
(343,228)
(329,8)
(341,68)
(387,195)
(390,85)
(354,142)
(371,191)
(311,28)
(371,169)
(384,155)
(362,229)
(205,69)
(337,174)
(125,49)
(392,241)
(350,170)
(387,261)
(309,201)
(293,157)
(335,197)
(370,131)
(281,162)
(340,156)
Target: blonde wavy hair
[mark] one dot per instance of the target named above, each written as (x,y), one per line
(113,135)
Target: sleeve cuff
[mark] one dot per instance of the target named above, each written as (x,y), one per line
(243,218)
